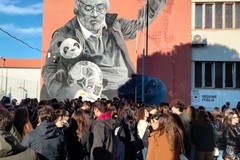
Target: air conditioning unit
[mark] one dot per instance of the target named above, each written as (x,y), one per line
(199,40)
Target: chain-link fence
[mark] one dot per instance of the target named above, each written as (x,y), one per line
(19,88)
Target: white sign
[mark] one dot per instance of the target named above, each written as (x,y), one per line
(210,98)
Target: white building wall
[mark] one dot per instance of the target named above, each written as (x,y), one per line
(21,83)
(222,45)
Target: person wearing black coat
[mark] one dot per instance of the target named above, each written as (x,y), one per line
(203,136)
(232,143)
(78,137)
(231,137)
(219,135)
(102,129)
(46,139)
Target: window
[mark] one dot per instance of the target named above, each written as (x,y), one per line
(222,15)
(217,74)
(208,14)
(237,15)
(198,74)
(208,75)
(198,14)
(218,15)
(228,16)
(228,75)
(238,75)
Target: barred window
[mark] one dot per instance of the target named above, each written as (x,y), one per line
(219,15)
(216,74)
(198,16)
(228,15)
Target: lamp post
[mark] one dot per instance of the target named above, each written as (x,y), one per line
(3,65)
(6,84)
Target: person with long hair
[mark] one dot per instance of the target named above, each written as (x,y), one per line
(231,136)
(22,122)
(127,132)
(182,134)
(142,129)
(164,141)
(87,137)
(78,136)
(203,136)
(218,124)
(236,121)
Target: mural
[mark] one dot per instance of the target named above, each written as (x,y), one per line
(88,56)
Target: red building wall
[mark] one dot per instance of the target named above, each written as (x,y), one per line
(168,53)
(20,63)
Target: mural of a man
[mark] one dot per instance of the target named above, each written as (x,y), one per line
(101,37)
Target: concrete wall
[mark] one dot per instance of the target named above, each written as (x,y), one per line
(222,45)
(19,82)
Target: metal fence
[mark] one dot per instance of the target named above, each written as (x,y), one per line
(19,88)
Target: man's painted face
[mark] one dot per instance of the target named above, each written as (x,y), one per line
(92,14)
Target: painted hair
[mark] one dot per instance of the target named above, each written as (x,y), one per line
(78,3)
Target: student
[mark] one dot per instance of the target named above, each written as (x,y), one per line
(231,137)
(143,129)
(204,136)
(46,139)
(78,135)
(164,141)
(102,130)
(178,107)
(21,121)
(10,149)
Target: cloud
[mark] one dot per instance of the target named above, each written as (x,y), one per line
(32,31)
(12,9)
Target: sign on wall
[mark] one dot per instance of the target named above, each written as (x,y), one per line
(210,98)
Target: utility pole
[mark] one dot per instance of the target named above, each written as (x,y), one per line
(3,66)
(6,84)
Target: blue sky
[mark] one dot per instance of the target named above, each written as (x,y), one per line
(23,20)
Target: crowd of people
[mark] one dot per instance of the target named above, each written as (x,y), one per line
(116,130)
